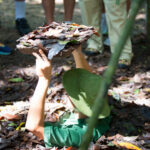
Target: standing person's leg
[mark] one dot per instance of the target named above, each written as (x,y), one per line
(104,27)
(21,22)
(116,15)
(128,5)
(49,7)
(91,16)
(69,9)
(103,21)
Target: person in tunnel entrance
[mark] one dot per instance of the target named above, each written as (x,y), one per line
(82,86)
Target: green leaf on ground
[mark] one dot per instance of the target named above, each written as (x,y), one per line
(12,124)
(63,42)
(110,144)
(74,42)
(136,91)
(16,80)
(20,125)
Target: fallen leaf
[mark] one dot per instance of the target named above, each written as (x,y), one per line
(12,124)
(25,138)
(97,34)
(12,133)
(136,91)
(96,147)
(69,62)
(102,68)
(1,118)
(147,90)
(11,117)
(56,48)
(123,78)
(40,147)
(111,144)
(75,24)
(22,129)
(127,145)
(66,68)
(4,143)
(127,92)
(137,78)
(63,42)
(16,80)
(71,148)
(116,96)
(20,125)
(53,118)
(35,141)
(8,103)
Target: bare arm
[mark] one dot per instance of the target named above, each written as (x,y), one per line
(80,60)
(35,118)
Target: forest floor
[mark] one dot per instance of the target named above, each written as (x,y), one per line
(130,89)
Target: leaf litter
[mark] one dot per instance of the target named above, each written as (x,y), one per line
(130,113)
(131,119)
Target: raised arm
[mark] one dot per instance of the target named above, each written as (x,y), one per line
(80,59)
(35,118)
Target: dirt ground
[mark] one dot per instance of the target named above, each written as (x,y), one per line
(130,90)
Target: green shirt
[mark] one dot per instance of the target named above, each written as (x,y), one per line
(82,88)
(70,132)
